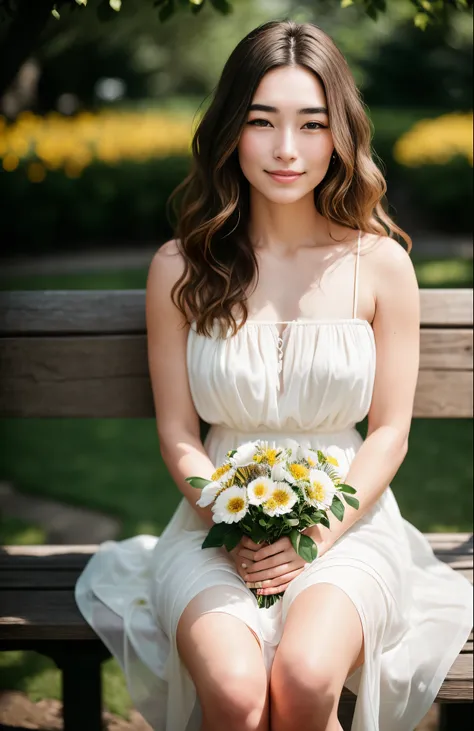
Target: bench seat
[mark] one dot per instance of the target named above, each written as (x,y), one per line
(38,612)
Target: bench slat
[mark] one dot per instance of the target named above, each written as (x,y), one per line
(446,349)
(444,395)
(44,615)
(107,376)
(66,578)
(53,615)
(121,311)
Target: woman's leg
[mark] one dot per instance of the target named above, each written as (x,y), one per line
(225,661)
(322,644)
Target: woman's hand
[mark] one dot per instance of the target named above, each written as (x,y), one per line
(275,565)
(244,554)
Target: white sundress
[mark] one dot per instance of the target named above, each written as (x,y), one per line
(312,383)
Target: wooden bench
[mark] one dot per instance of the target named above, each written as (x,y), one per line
(83,354)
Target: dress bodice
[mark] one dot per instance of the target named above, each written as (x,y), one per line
(318,375)
(312,376)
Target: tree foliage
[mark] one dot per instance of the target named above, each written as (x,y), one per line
(424,11)
(24,22)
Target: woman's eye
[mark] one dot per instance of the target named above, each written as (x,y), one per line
(265,123)
(259,122)
(315,125)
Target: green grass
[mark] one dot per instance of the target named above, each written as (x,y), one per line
(453,272)
(114,465)
(120,279)
(15,532)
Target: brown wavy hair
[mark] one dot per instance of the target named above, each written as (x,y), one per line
(212,202)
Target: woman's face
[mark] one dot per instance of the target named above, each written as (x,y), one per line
(287,129)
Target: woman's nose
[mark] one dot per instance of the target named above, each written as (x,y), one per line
(286,148)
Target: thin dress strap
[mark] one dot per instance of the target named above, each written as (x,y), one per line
(356,280)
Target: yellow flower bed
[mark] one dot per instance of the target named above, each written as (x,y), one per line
(436,141)
(72,143)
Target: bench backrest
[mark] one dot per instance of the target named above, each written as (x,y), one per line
(84,354)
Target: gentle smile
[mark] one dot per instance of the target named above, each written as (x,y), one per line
(284,176)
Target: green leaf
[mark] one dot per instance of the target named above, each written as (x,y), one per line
(346,488)
(422,20)
(198,482)
(325,522)
(304,546)
(232,538)
(166,11)
(216,536)
(258,534)
(346,3)
(352,501)
(337,508)
(371,12)
(105,12)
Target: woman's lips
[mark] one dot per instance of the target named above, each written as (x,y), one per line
(284,177)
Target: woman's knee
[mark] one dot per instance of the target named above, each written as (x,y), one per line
(226,665)
(236,699)
(304,678)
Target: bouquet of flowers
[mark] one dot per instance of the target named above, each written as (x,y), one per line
(268,492)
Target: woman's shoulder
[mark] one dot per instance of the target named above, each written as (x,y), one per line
(167,264)
(166,268)
(389,267)
(384,254)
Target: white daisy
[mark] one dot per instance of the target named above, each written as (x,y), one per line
(338,460)
(244,454)
(209,493)
(231,505)
(279,472)
(291,444)
(320,491)
(259,490)
(281,500)
(310,455)
(224,473)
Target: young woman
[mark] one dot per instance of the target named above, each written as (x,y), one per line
(283,309)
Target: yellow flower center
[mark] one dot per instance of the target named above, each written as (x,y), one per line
(271,504)
(235,504)
(220,471)
(333,460)
(268,455)
(259,489)
(315,491)
(280,497)
(299,471)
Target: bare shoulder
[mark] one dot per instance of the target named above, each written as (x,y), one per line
(388,261)
(167,264)
(165,269)
(394,281)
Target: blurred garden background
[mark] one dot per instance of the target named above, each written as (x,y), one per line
(95,132)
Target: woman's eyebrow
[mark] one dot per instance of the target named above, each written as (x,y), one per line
(274,110)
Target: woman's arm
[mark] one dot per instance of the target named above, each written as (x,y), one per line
(397,333)
(176,418)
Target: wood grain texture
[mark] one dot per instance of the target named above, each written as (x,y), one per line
(119,311)
(84,354)
(444,395)
(107,376)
